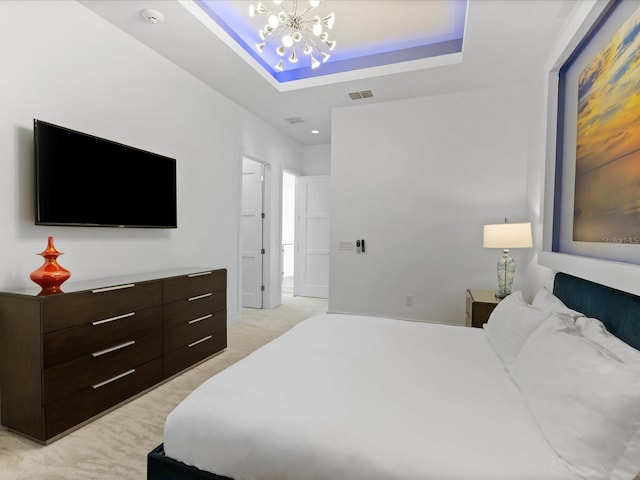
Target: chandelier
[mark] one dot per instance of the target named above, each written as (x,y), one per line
(298,31)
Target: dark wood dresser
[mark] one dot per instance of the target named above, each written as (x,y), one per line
(69,357)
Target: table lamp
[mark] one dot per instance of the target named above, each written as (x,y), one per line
(506,235)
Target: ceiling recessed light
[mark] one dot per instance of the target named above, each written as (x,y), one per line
(315,132)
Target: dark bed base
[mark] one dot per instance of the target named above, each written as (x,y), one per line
(619,311)
(161,467)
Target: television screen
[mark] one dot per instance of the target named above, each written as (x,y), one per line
(83,180)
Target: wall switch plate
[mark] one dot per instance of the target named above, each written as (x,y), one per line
(346,245)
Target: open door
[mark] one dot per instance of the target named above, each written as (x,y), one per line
(287,258)
(312,272)
(252,233)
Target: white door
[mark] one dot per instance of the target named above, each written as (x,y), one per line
(289,183)
(312,272)
(252,218)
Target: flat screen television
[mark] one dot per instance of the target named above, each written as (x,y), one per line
(83,180)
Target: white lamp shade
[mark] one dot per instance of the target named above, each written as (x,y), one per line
(507,235)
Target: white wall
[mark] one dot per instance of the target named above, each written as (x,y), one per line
(418,179)
(317,160)
(70,67)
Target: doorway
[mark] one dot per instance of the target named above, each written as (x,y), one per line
(312,248)
(288,249)
(252,233)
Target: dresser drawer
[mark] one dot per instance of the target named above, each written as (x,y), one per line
(192,285)
(74,409)
(200,349)
(188,332)
(62,311)
(183,311)
(71,343)
(81,373)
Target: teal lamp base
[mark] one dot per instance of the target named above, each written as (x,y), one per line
(506,271)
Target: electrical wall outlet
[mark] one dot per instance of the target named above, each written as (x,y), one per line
(409,300)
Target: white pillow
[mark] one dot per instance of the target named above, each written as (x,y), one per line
(585,400)
(510,324)
(594,330)
(548,302)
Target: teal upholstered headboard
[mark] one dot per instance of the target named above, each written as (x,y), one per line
(618,310)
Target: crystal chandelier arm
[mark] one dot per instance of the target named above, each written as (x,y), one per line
(309,8)
(275,34)
(293,58)
(318,51)
(310,39)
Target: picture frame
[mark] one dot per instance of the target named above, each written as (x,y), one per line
(597,144)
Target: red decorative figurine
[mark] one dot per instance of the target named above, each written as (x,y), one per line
(50,275)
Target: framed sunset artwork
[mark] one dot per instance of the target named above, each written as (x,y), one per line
(607,186)
(598,141)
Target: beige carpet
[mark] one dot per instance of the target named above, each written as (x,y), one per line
(115,445)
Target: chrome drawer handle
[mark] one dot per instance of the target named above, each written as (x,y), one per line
(113,349)
(199,319)
(200,296)
(109,289)
(111,319)
(117,377)
(191,275)
(200,341)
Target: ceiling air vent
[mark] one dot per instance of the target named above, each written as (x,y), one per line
(362,94)
(293,120)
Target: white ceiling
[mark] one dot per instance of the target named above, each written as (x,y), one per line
(504,42)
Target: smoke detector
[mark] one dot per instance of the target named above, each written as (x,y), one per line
(152,16)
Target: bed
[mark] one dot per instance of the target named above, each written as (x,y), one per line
(544,391)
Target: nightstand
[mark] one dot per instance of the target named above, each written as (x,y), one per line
(480,304)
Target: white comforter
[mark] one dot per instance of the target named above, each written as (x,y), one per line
(350,397)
